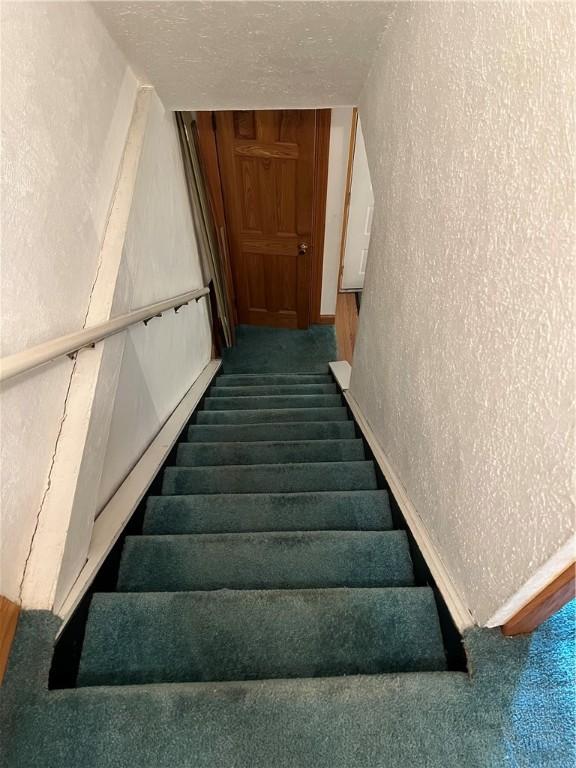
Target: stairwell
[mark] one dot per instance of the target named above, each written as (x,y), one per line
(266,609)
(270,553)
(265,606)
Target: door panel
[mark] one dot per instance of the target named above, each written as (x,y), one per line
(250,210)
(267,170)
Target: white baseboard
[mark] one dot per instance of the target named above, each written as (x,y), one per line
(458,610)
(113,518)
(341,371)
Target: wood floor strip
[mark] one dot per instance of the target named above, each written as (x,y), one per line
(9,613)
(547,602)
(346,325)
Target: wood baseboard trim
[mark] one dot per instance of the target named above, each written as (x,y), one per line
(460,614)
(113,518)
(546,602)
(327,319)
(546,574)
(9,613)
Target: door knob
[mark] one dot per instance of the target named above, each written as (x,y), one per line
(302,249)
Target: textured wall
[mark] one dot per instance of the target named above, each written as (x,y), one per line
(163,359)
(465,362)
(67,97)
(249,55)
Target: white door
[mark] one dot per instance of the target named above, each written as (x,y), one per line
(360,213)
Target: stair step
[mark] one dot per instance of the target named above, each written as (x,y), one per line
(230,513)
(297,560)
(248,433)
(267,402)
(146,637)
(253,379)
(271,478)
(274,415)
(255,390)
(274,452)
(425,720)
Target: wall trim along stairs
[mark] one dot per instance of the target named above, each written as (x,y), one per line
(64,518)
(458,610)
(116,514)
(536,599)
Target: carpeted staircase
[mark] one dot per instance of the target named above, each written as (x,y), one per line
(266,574)
(270,554)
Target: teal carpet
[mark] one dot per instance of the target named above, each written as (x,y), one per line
(268,614)
(515,711)
(323,510)
(275,350)
(265,560)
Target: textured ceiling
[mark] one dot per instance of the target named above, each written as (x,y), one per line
(219,55)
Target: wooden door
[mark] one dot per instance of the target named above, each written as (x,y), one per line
(267,174)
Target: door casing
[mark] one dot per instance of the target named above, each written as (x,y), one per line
(206,124)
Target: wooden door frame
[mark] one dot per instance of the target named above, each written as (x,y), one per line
(211,169)
(347,194)
(208,156)
(321,157)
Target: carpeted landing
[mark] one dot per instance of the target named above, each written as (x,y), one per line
(261,350)
(268,616)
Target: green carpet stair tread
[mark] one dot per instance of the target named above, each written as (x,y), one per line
(231,513)
(271,379)
(271,478)
(248,433)
(274,415)
(297,560)
(273,452)
(148,637)
(256,390)
(269,402)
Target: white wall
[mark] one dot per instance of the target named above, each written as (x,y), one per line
(464,363)
(340,124)
(67,99)
(96,221)
(161,259)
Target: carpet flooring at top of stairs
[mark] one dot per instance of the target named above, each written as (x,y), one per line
(275,350)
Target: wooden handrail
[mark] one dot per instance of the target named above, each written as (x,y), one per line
(31,358)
